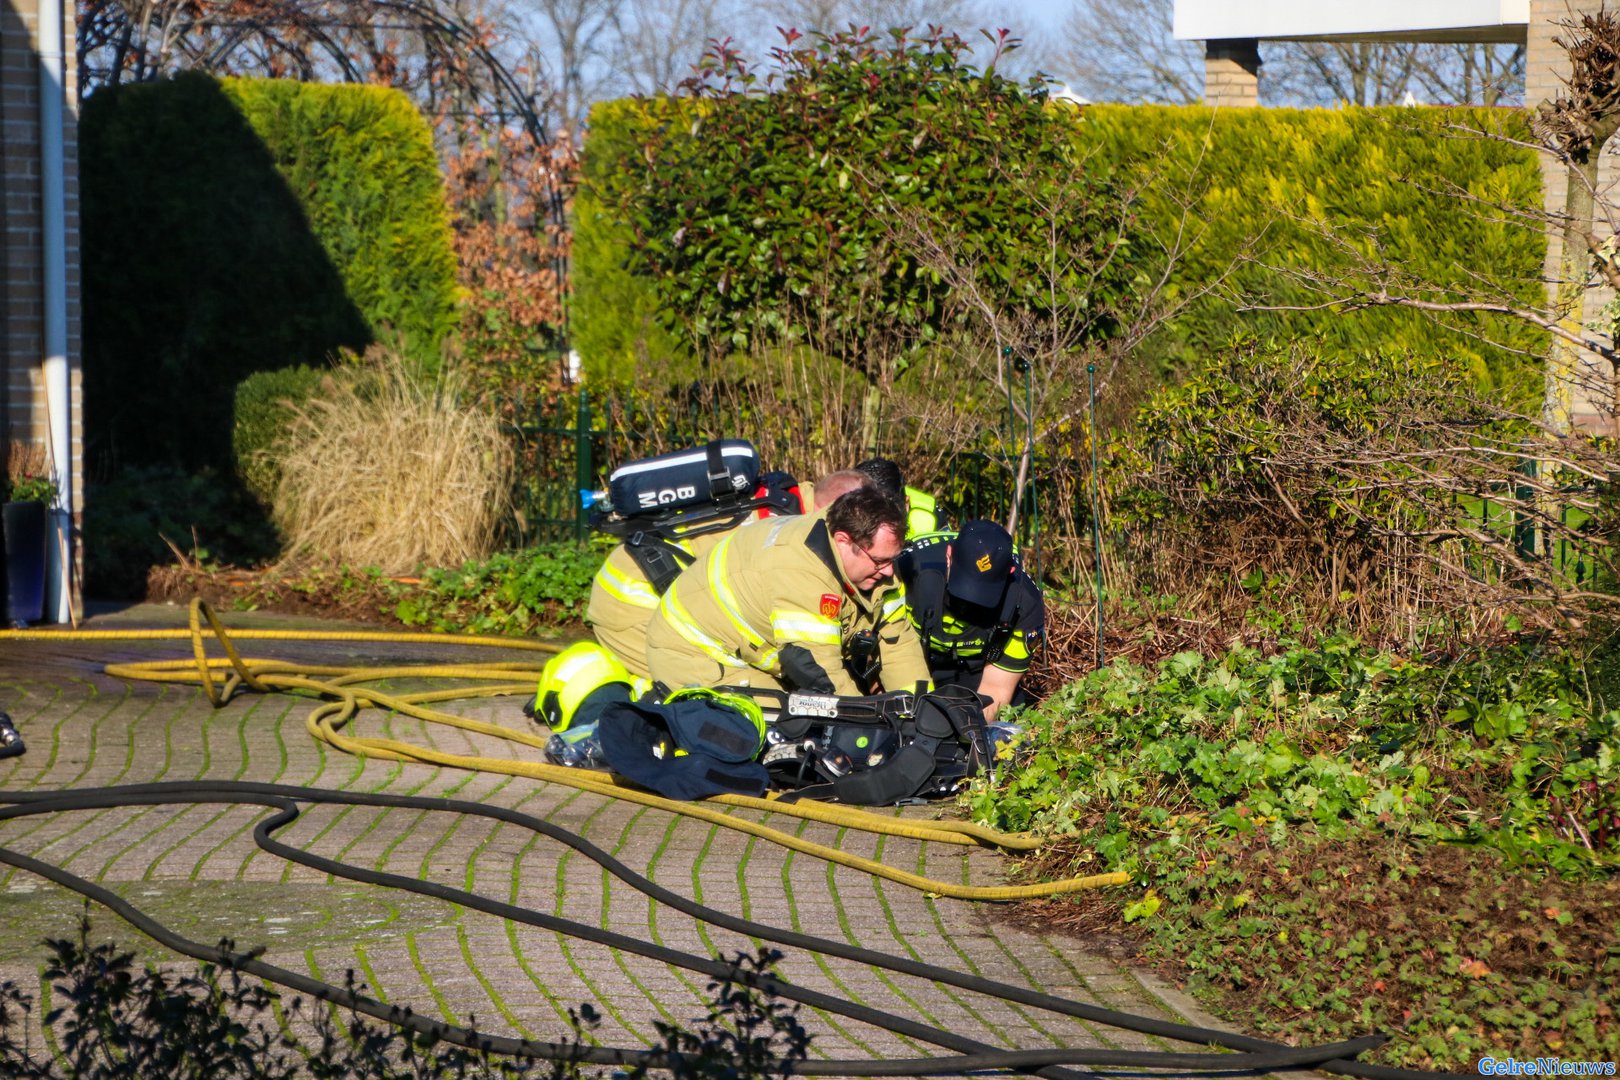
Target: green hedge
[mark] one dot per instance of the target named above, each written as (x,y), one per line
(241,226)
(266,403)
(1307,187)
(1293,183)
(614,311)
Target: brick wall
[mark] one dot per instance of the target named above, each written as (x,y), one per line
(1232,73)
(22,393)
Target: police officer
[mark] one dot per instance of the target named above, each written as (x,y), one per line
(922,514)
(623,598)
(803,603)
(979,615)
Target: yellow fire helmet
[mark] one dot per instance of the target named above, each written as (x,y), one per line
(570,677)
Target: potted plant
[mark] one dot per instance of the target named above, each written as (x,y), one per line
(29,495)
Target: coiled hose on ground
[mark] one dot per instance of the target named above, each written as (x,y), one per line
(222,678)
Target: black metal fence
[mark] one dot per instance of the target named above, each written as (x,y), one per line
(569,444)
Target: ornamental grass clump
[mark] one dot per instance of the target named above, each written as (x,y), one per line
(394,470)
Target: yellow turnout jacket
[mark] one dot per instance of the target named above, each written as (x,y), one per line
(766,586)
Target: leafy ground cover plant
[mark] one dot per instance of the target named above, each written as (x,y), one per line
(110,1019)
(539,588)
(1333,836)
(512,592)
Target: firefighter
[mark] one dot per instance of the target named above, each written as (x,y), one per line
(978,613)
(822,493)
(922,514)
(803,603)
(623,598)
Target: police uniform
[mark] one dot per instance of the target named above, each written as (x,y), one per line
(987,612)
(768,597)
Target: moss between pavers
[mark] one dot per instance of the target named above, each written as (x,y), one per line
(283,917)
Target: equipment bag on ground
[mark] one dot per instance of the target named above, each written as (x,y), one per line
(694,744)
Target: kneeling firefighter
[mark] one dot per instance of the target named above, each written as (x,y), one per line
(669,510)
(922,509)
(796,604)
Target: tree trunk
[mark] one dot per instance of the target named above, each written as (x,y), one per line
(1563,370)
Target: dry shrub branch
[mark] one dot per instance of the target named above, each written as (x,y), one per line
(393,472)
(1384,492)
(1077,312)
(810,411)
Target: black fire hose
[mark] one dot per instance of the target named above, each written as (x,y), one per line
(1257,1054)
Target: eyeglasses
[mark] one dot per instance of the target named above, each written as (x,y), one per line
(877,563)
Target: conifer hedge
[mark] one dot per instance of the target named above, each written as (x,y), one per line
(1305,190)
(614,315)
(246,225)
(1317,191)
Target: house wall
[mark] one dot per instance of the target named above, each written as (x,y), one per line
(22,391)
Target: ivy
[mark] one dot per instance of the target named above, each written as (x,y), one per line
(1329,738)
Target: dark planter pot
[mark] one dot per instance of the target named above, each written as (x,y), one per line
(24,524)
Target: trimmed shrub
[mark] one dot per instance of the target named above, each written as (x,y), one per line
(1277,197)
(267,402)
(792,216)
(614,313)
(1306,192)
(241,226)
(361,161)
(131,519)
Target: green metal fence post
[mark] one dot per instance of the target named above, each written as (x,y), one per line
(1527,536)
(1096,508)
(583,470)
(1029,453)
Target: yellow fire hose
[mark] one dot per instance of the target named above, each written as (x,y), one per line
(221,678)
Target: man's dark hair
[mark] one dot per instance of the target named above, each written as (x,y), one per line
(886,475)
(862,512)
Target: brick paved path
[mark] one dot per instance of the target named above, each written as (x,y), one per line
(197,869)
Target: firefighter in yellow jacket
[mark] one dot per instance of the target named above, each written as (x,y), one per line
(623,599)
(805,603)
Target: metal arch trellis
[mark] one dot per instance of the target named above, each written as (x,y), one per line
(214,36)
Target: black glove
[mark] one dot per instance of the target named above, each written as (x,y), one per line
(801,672)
